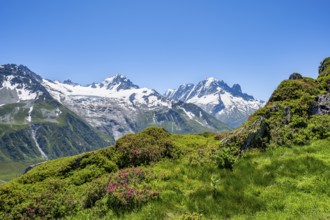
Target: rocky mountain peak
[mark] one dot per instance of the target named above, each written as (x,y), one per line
(18,70)
(19,83)
(69,82)
(237,88)
(118,82)
(227,104)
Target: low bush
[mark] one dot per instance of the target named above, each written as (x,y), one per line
(150,145)
(129,188)
(226,157)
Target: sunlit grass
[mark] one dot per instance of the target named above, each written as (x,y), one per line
(281,183)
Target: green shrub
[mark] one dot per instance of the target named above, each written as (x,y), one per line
(150,145)
(294,89)
(94,192)
(226,157)
(324,74)
(129,188)
(86,175)
(98,160)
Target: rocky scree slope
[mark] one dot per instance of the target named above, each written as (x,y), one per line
(227,104)
(33,125)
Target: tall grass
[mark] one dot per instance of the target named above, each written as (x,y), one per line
(285,183)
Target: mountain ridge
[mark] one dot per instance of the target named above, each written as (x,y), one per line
(33,125)
(227,104)
(117,106)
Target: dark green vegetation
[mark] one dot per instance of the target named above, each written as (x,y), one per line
(276,166)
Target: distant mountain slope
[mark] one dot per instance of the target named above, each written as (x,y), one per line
(116,106)
(34,125)
(227,104)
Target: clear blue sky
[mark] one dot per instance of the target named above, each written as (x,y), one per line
(163,43)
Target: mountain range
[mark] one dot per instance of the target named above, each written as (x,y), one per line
(116,106)
(45,119)
(228,104)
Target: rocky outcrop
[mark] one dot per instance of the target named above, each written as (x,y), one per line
(255,135)
(295,76)
(322,105)
(32,166)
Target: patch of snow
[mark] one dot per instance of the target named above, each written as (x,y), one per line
(199,122)
(205,100)
(2,67)
(33,135)
(189,114)
(29,118)
(209,81)
(62,91)
(58,112)
(154,118)
(23,93)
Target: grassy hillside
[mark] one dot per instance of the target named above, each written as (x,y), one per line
(155,175)
(297,113)
(58,136)
(275,166)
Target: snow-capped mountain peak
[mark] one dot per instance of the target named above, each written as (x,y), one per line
(118,82)
(116,106)
(18,83)
(228,104)
(69,82)
(211,81)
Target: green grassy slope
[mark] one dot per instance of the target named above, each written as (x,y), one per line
(180,180)
(60,136)
(12,169)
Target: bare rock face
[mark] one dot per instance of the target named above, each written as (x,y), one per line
(256,135)
(32,166)
(295,76)
(322,106)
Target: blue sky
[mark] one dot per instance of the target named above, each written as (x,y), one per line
(161,44)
